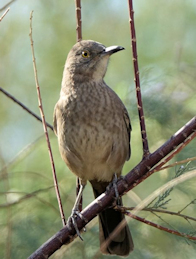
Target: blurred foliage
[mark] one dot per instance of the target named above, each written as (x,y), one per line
(166,49)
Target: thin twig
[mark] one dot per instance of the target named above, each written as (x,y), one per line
(192,202)
(21,154)
(45,127)
(24,197)
(24,107)
(168,158)
(5,6)
(78,20)
(162,189)
(137,81)
(175,152)
(160,211)
(152,224)
(177,163)
(4,14)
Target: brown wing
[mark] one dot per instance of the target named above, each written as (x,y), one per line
(55,120)
(128,126)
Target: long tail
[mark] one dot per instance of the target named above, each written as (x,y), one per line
(122,243)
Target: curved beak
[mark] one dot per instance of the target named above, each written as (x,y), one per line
(111,50)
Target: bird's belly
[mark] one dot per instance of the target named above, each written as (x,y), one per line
(91,151)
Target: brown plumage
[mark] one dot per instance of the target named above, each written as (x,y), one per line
(93,130)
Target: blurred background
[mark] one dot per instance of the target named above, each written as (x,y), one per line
(166,36)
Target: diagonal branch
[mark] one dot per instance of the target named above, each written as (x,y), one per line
(162,211)
(4,14)
(24,107)
(162,162)
(152,224)
(6,5)
(66,235)
(175,152)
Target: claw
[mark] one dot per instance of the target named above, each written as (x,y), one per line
(114,184)
(76,213)
(72,219)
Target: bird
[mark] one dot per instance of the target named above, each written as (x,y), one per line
(93,130)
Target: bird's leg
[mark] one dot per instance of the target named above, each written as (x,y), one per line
(114,184)
(78,183)
(76,211)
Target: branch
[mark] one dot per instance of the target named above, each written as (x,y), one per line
(66,235)
(24,107)
(122,208)
(176,163)
(78,20)
(23,198)
(192,202)
(152,224)
(45,127)
(137,81)
(4,14)
(5,6)
(180,137)
(176,150)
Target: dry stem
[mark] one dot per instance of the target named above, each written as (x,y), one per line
(24,107)
(4,14)
(78,20)
(5,6)
(137,81)
(152,224)
(45,127)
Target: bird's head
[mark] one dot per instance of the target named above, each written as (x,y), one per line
(88,60)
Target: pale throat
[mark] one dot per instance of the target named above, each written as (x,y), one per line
(100,69)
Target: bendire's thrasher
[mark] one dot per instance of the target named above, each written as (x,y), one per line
(93,130)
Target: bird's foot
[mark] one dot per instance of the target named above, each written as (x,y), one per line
(114,184)
(72,221)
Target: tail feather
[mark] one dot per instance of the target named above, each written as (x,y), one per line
(109,219)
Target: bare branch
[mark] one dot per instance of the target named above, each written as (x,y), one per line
(177,163)
(26,196)
(152,224)
(78,20)
(4,14)
(160,211)
(192,202)
(5,6)
(21,154)
(24,107)
(137,81)
(44,125)
(176,150)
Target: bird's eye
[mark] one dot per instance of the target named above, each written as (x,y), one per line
(85,54)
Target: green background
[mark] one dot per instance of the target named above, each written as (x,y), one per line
(166,37)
